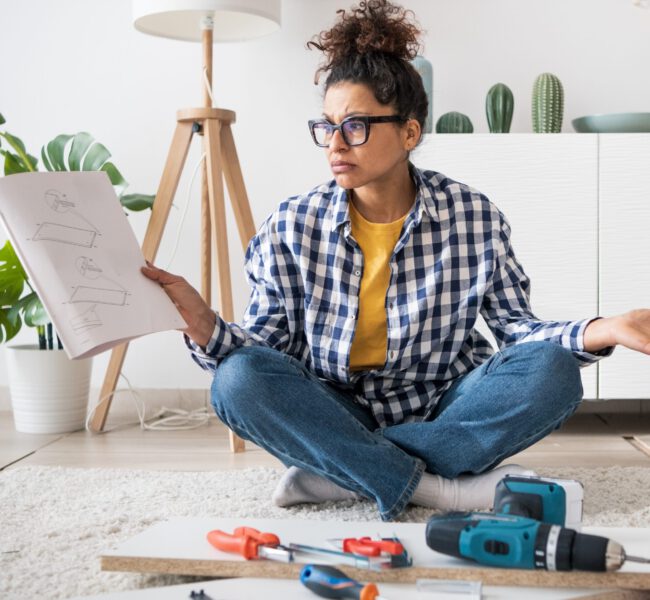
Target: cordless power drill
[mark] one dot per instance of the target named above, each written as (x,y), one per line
(557,501)
(519,542)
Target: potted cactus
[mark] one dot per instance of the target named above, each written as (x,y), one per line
(548,104)
(56,400)
(454,122)
(499,105)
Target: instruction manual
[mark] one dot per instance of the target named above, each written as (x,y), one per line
(83,260)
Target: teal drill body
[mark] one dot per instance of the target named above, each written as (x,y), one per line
(512,541)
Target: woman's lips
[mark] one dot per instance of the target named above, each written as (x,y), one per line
(340,166)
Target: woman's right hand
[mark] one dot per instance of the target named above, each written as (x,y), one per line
(198,315)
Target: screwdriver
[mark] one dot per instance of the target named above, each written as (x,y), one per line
(330,582)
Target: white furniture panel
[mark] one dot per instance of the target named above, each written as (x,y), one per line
(547,187)
(624,254)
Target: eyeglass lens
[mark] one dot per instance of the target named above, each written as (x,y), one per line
(353,131)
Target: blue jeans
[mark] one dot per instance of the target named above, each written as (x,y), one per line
(506,404)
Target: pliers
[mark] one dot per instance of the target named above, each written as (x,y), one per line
(366,546)
(251,544)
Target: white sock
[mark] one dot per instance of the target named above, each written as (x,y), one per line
(466,492)
(297,486)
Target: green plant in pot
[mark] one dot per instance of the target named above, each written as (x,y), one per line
(20,304)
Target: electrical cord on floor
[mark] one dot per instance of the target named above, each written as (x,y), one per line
(166,419)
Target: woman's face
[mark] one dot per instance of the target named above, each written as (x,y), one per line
(386,150)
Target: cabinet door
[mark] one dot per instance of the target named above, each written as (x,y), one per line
(624,253)
(546,185)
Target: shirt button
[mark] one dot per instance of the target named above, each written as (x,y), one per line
(390,306)
(357,273)
(392,354)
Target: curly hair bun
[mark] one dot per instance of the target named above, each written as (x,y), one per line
(372,26)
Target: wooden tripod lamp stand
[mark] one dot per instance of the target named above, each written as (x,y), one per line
(206,21)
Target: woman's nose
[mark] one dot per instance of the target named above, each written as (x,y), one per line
(337,143)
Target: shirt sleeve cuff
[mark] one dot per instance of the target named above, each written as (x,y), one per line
(578,346)
(205,355)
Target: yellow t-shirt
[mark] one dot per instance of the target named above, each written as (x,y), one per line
(377,241)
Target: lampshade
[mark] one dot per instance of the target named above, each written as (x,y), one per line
(234,20)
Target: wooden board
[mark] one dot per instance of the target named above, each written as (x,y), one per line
(179,546)
(245,588)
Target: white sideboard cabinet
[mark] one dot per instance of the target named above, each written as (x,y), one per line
(579,208)
(624,257)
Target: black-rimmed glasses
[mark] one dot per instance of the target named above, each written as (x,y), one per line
(355,130)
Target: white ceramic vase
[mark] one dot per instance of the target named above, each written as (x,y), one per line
(49,392)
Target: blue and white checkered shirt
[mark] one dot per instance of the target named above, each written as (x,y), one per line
(452,262)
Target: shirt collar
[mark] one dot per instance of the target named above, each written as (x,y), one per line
(425,202)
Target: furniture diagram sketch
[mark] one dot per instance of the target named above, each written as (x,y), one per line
(88,320)
(94,294)
(53,232)
(83,259)
(65,233)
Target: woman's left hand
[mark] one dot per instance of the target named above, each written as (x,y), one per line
(631,330)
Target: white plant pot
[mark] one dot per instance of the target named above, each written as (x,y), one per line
(49,392)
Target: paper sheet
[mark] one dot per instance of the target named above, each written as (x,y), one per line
(75,242)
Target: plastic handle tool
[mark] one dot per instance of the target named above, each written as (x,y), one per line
(329,582)
(369,547)
(244,540)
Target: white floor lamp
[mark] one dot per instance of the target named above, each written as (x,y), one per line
(206,21)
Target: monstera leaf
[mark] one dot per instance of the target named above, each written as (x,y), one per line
(18,161)
(81,152)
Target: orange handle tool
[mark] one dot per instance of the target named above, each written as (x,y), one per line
(244,541)
(366,546)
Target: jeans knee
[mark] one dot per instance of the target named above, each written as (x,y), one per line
(234,380)
(247,377)
(560,373)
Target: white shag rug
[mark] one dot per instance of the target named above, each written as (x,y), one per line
(55,522)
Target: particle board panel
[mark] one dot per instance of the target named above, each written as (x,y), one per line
(546,185)
(245,588)
(179,546)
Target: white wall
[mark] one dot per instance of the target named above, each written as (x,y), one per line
(75,65)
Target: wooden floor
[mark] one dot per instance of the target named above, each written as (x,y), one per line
(588,440)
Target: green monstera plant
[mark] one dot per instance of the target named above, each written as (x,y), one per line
(19,303)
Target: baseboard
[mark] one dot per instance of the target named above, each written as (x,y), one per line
(632,406)
(123,405)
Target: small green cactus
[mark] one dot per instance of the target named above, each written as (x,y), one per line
(499,105)
(548,104)
(454,122)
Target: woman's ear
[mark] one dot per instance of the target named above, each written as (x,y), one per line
(413,133)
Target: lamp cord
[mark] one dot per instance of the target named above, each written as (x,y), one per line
(187,204)
(170,419)
(208,87)
(167,419)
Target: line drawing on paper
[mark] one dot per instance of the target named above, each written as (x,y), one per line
(65,233)
(116,295)
(84,293)
(59,202)
(88,320)
(87,267)
(54,232)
